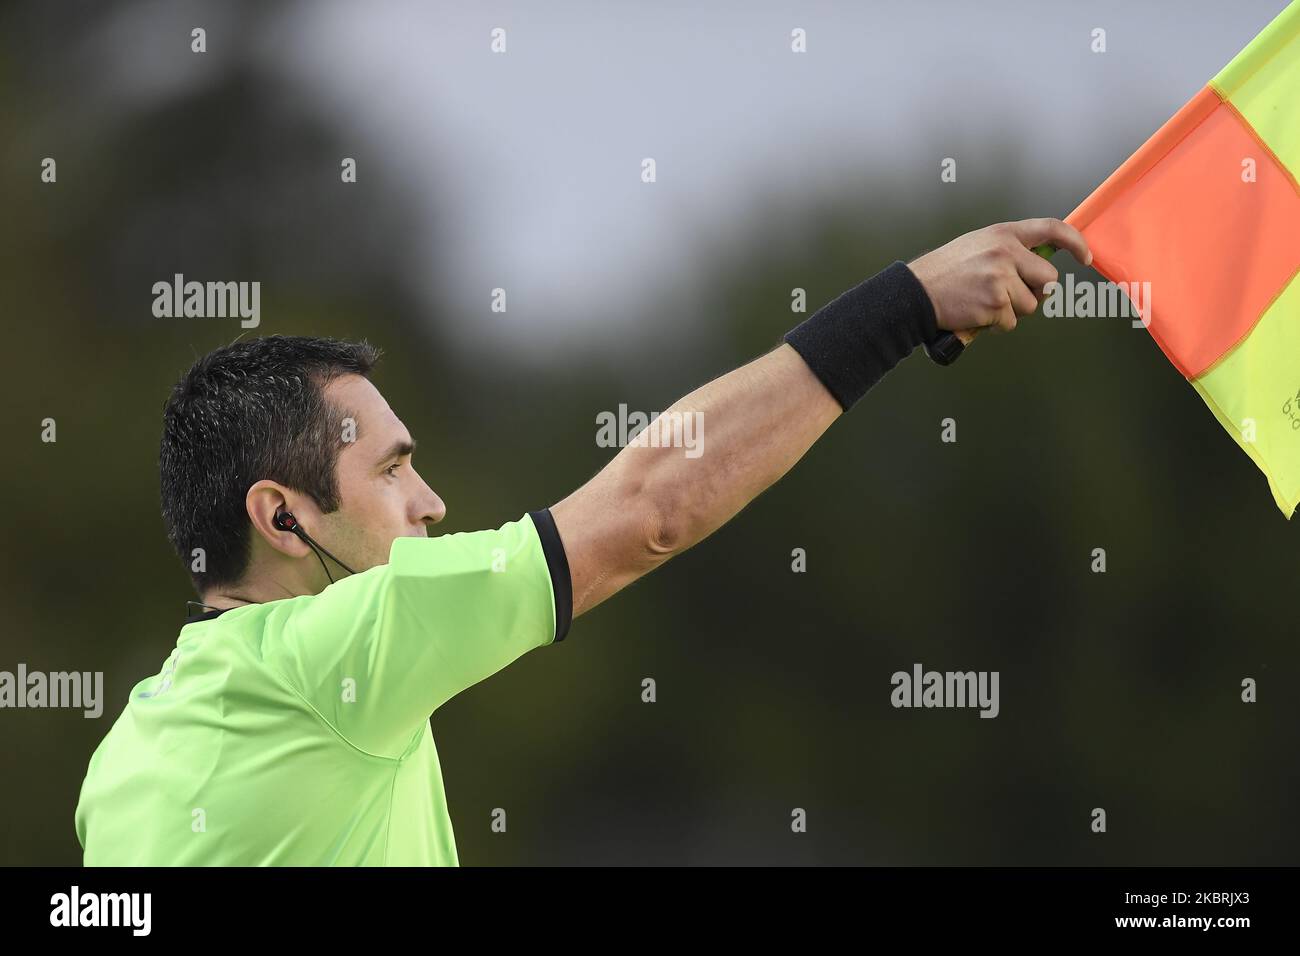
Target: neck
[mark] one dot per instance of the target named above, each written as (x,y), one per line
(221,601)
(238,595)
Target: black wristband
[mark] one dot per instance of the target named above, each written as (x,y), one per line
(852,342)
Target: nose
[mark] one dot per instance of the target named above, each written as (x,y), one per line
(430,509)
(437,510)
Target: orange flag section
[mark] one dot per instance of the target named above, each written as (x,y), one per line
(1182,214)
(1208,212)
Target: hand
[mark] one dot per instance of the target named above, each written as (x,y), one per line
(989,277)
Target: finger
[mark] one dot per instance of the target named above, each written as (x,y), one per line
(1005,320)
(1036,271)
(1034,232)
(1022,297)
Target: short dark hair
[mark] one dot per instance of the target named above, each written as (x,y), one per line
(251,410)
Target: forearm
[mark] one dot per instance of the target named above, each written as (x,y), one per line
(657,498)
(755,422)
(654,500)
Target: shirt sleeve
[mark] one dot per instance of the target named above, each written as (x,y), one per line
(377,652)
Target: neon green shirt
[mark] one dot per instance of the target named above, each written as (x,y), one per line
(296,732)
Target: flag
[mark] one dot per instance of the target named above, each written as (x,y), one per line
(1208,212)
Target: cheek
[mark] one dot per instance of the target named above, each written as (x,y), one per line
(388,512)
(373,510)
(375,535)
(377,511)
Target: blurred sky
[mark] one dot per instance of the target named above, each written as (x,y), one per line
(534,155)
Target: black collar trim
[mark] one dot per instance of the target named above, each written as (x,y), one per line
(192,614)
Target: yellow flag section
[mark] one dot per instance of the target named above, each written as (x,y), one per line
(1208,212)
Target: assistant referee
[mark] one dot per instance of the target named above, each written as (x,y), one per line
(290,723)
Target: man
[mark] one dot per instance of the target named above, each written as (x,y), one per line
(290,724)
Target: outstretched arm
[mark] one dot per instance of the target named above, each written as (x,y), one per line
(654,501)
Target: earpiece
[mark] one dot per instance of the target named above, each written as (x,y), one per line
(285,521)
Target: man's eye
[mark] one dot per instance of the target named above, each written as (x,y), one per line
(389,470)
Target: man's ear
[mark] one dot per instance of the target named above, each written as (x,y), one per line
(265,499)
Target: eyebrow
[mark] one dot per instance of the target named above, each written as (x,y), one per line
(398,449)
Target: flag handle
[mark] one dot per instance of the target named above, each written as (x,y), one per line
(948,347)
